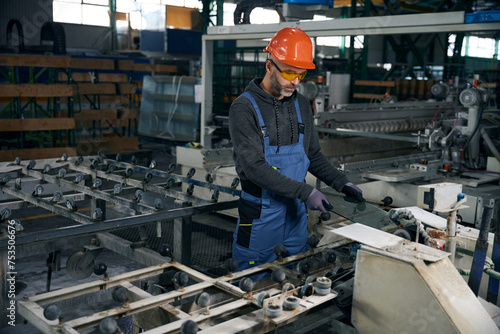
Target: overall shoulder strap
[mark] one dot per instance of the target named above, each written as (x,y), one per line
(263,127)
(299,118)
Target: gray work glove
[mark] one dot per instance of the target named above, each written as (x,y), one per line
(353,192)
(315,201)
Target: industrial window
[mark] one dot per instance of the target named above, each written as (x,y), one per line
(474,46)
(89,12)
(258,16)
(144,14)
(480,47)
(337,41)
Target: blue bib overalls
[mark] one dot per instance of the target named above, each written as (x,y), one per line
(272,220)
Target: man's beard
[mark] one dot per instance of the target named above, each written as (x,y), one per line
(279,88)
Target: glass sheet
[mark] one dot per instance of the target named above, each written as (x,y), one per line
(363,213)
(168,108)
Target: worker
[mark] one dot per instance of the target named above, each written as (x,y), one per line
(275,144)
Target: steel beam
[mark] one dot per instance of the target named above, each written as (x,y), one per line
(182,239)
(121,246)
(207,64)
(378,25)
(94,193)
(135,183)
(15,205)
(176,177)
(416,140)
(56,208)
(113,224)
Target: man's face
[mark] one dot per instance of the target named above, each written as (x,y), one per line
(283,87)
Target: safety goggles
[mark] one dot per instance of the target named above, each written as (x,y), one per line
(289,75)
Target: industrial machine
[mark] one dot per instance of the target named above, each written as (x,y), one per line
(401,145)
(358,277)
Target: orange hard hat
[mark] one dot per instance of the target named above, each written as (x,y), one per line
(292,46)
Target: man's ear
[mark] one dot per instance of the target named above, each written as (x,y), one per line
(268,66)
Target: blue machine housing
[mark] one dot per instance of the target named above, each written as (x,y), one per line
(483,16)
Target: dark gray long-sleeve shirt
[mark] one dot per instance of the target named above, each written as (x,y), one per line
(248,143)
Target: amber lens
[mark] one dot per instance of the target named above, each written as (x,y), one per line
(290,75)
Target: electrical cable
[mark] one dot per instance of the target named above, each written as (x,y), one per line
(447,105)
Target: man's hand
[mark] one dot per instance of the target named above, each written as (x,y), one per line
(350,190)
(315,201)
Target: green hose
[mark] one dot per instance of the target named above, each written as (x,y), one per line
(488,264)
(464,251)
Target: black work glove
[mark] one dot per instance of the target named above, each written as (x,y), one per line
(353,192)
(317,201)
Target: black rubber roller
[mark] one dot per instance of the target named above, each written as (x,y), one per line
(325,216)
(313,241)
(202,299)
(278,275)
(304,267)
(246,284)
(189,327)
(231,264)
(120,294)
(108,326)
(180,279)
(165,250)
(329,255)
(280,250)
(100,268)
(51,312)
